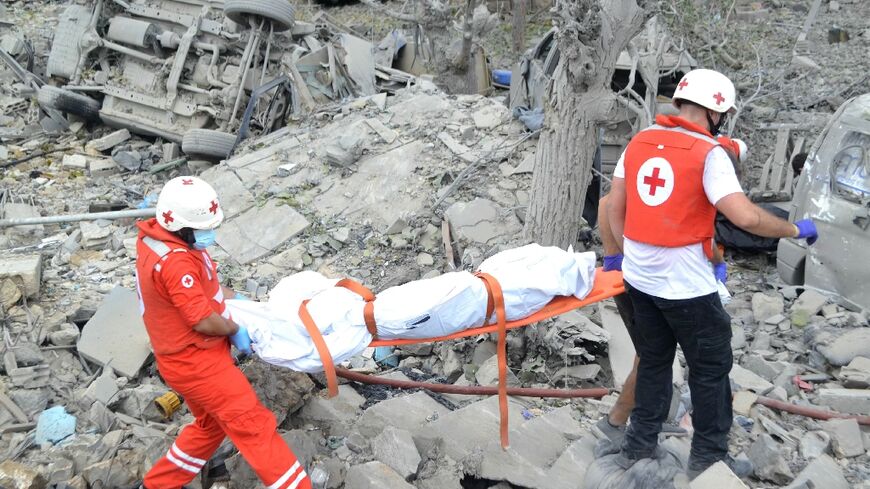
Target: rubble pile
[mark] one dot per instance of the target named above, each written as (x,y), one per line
(384,188)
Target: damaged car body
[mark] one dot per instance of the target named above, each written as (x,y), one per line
(180,70)
(834,190)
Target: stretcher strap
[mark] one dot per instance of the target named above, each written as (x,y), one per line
(493,289)
(369,297)
(322,349)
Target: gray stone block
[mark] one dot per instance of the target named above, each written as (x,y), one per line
(396,448)
(374,475)
(406,412)
(851,401)
(116,334)
(258,231)
(23,270)
(823,472)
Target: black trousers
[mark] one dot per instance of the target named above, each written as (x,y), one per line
(703,329)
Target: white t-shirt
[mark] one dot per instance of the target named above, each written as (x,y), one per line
(682,272)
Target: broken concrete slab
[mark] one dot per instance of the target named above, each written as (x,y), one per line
(845,436)
(758,365)
(260,230)
(845,347)
(337,415)
(20,476)
(108,141)
(718,476)
(856,375)
(743,402)
(481,221)
(851,401)
(234,196)
(418,109)
(407,412)
(385,133)
(78,162)
(102,389)
(395,447)
(815,443)
(806,306)
(765,306)
(748,380)
(25,271)
(491,115)
(18,210)
(487,373)
(383,188)
(109,473)
(822,472)
(471,428)
(767,458)
(374,475)
(116,334)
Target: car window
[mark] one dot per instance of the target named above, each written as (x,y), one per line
(850,166)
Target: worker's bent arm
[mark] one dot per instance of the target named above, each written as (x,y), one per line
(215,325)
(608,241)
(616,210)
(749,217)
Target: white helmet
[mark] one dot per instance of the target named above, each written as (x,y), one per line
(188,202)
(706,88)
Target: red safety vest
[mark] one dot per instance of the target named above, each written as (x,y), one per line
(158,257)
(664,182)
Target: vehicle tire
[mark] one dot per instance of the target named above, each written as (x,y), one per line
(69,102)
(208,143)
(280,12)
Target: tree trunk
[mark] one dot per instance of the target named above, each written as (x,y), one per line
(590,36)
(518,25)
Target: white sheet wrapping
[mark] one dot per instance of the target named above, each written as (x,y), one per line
(530,277)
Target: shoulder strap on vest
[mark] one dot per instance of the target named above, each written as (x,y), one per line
(160,249)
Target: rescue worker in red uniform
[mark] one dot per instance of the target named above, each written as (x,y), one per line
(182,304)
(666,189)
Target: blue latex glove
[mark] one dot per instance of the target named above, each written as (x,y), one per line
(242,341)
(241,297)
(613,262)
(720,270)
(807,230)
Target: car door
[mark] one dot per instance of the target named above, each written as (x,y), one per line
(838,200)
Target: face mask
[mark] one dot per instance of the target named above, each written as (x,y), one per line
(203,238)
(715,128)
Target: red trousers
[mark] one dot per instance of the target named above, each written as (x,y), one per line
(225,404)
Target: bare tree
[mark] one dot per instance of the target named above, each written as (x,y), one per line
(590,36)
(518,25)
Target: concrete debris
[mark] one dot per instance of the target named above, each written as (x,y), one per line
(718,476)
(856,375)
(851,401)
(395,448)
(116,334)
(821,472)
(768,458)
(19,476)
(25,271)
(343,182)
(845,436)
(374,475)
(814,444)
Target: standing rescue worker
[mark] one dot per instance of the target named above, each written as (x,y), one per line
(666,189)
(183,307)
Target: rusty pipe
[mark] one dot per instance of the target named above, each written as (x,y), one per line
(472,390)
(809,412)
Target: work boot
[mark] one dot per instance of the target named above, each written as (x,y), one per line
(742,468)
(603,429)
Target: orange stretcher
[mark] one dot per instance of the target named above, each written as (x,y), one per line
(606,284)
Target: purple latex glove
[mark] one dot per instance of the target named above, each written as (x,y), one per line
(720,270)
(613,262)
(807,230)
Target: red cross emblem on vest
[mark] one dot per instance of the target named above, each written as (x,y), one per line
(655,181)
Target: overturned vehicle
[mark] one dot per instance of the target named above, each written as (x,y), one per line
(183,70)
(834,190)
